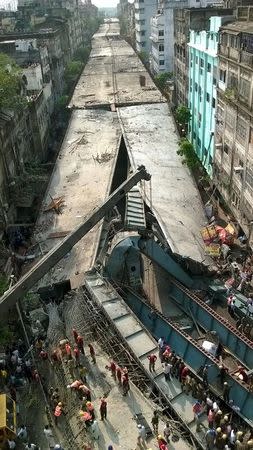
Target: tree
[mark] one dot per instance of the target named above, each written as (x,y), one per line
(82,54)
(186,150)
(183,115)
(162,78)
(144,56)
(72,72)
(10,84)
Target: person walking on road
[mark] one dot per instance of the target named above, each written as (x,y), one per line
(49,436)
(103,408)
(142,436)
(155,422)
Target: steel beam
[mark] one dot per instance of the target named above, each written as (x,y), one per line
(9,299)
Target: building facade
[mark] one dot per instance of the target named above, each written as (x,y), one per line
(163,33)
(195,19)
(144,10)
(203,47)
(233,162)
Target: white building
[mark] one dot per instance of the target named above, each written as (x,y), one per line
(162,31)
(144,10)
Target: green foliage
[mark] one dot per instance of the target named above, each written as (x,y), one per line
(162,78)
(61,103)
(230,93)
(72,72)
(10,84)
(186,150)
(144,56)
(82,54)
(183,115)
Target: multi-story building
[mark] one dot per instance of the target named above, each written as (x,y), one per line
(203,59)
(163,34)
(144,10)
(195,19)
(233,161)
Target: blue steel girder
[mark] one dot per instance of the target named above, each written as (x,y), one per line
(155,252)
(238,344)
(192,353)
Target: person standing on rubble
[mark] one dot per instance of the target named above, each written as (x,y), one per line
(103,408)
(155,422)
(79,343)
(92,353)
(77,355)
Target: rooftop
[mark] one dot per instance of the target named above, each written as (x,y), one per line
(151,139)
(82,175)
(240,27)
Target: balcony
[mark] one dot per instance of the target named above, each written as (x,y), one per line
(247,59)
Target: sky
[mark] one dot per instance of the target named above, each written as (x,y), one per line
(100,3)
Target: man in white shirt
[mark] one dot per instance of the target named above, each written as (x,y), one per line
(167,370)
(49,436)
(11,444)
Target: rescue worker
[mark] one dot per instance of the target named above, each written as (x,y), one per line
(58,412)
(79,342)
(68,350)
(152,360)
(90,409)
(75,385)
(113,369)
(103,408)
(155,422)
(125,385)
(119,375)
(85,391)
(92,353)
(77,355)
(75,335)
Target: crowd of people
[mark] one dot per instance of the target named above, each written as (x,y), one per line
(223,431)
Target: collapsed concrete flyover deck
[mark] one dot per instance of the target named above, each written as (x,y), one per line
(82,175)
(151,138)
(113,75)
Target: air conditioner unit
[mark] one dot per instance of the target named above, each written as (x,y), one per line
(238,169)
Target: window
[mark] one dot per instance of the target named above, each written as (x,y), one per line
(224,39)
(226,149)
(241,129)
(196,87)
(194,135)
(233,41)
(209,67)
(223,76)
(200,117)
(198,142)
(211,36)
(214,81)
(213,102)
(161,62)
(201,62)
(207,97)
(230,119)
(161,48)
(244,89)
(161,33)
